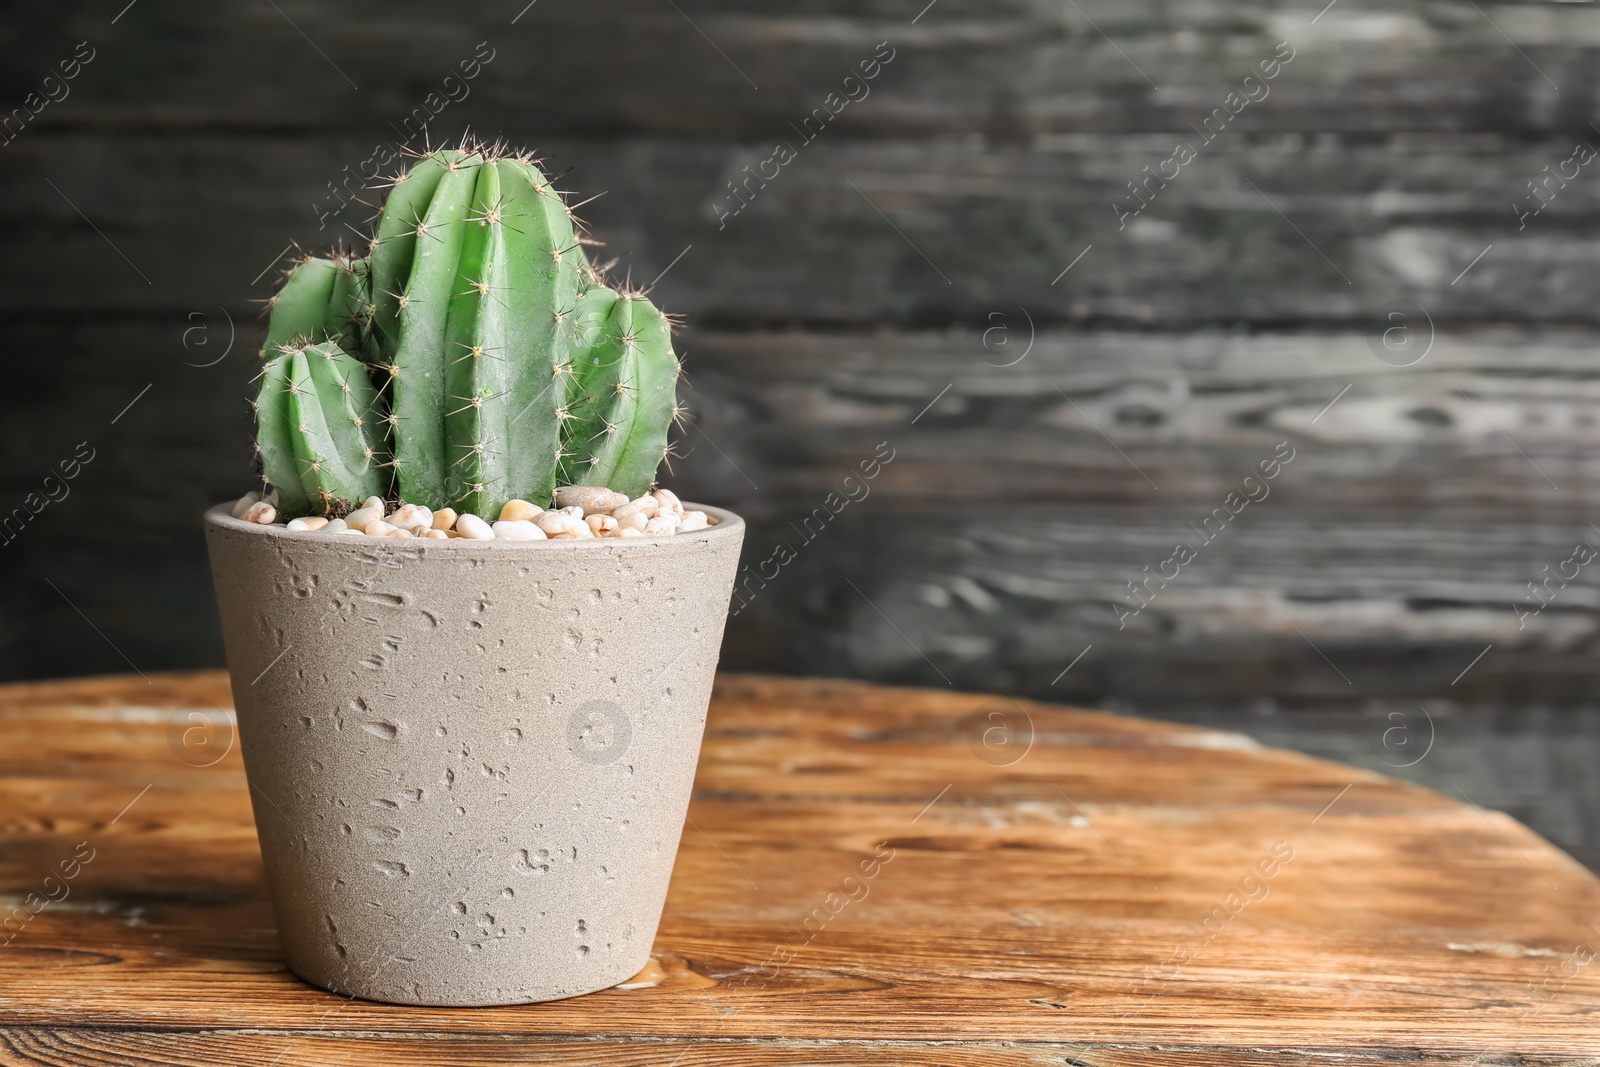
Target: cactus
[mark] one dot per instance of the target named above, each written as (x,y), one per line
(321,300)
(621,395)
(318,436)
(467,314)
(348,320)
(475,266)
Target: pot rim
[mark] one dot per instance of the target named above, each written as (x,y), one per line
(728,524)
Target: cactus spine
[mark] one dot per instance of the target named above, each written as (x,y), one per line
(495,377)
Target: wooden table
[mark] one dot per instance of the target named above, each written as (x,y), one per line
(1051,886)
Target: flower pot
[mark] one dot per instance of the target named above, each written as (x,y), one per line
(470,761)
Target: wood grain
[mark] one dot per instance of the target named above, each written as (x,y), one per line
(1020,912)
(1400,540)
(999,68)
(201,140)
(1334,228)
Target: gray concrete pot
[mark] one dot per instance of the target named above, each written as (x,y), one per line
(470,761)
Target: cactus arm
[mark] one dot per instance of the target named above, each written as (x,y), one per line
(275,437)
(628,382)
(300,307)
(334,453)
(646,404)
(418,369)
(394,246)
(348,319)
(536,259)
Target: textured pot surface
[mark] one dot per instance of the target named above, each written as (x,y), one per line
(470,761)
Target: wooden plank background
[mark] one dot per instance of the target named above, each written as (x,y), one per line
(902,281)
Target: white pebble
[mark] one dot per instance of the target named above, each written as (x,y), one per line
(647,504)
(357,533)
(358,519)
(337,526)
(633,516)
(600,524)
(379,528)
(517,530)
(693,520)
(590,499)
(261,512)
(557,522)
(375,503)
(662,524)
(243,504)
(470,526)
(519,509)
(628,531)
(299,526)
(669,501)
(435,535)
(411,515)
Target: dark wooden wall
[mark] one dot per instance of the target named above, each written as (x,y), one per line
(901,281)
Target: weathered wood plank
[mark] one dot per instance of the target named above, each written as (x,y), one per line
(216,1047)
(1049,892)
(1341,545)
(1399,609)
(1071,417)
(39,1047)
(1532,760)
(1001,70)
(1335,228)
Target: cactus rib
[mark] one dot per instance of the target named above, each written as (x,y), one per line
(394,246)
(330,402)
(418,376)
(275,437)
(538,262)
(348,320)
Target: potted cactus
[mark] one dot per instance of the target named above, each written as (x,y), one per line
(470,749)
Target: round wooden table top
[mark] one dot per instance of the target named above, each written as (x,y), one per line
(869,875)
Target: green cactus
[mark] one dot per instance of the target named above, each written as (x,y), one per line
(322,300)
(348,320)
(621,395)
(319,431)
(475,266)
(300,309)
(466,312)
